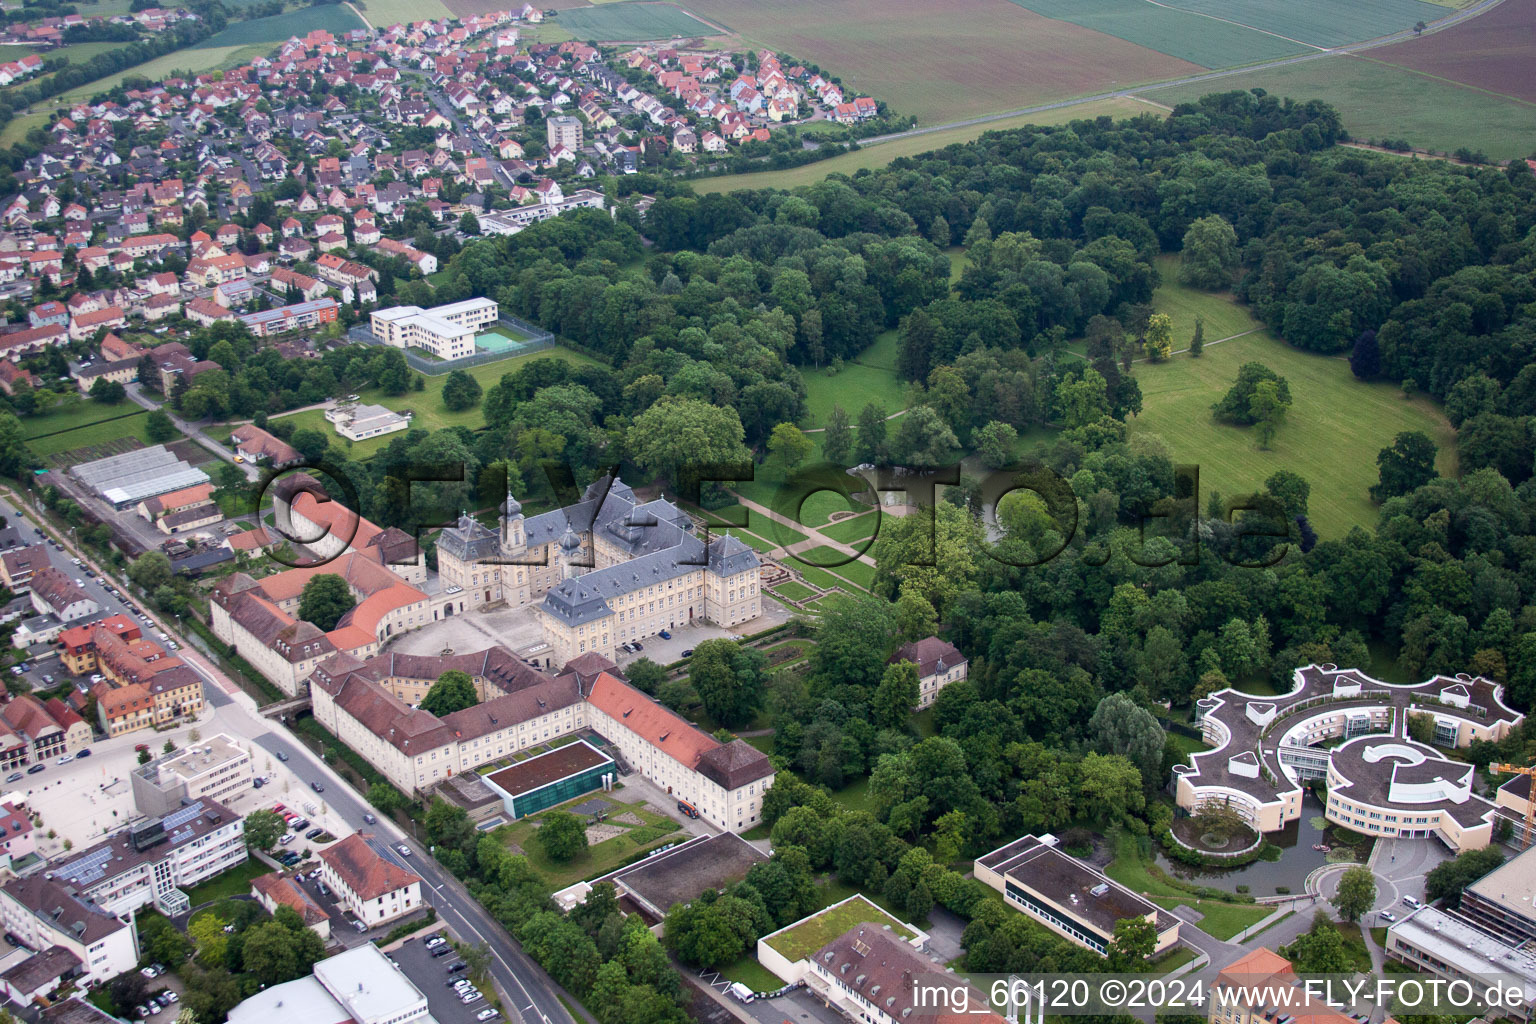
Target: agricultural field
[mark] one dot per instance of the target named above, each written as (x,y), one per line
(15,51)
(631,21)
(882,153)
(335,18)
(1378,100)
(1493,51)
(1319,22)
(1330,436)
(194,61)
(944,61)
(1196,38)
(384,13)
(133,426)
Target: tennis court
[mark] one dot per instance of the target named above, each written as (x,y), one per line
(501,340)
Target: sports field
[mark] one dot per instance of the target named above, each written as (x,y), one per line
(334,18)
(1330,437)
(1206,41)
(944,61)
(631,21)
(1379,100)
(1495,51)
(883,153)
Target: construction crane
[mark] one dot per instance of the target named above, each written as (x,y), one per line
(1530,797)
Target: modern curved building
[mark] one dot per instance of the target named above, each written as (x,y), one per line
(1351,731)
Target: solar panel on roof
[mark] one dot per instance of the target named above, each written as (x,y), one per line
(183,815)
(90,867)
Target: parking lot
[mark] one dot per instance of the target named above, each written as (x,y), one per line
(431,975)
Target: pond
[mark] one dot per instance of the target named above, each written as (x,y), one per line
(1297,860)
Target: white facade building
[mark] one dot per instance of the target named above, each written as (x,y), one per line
(447,332)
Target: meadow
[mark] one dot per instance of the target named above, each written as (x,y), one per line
(939,62)
(428,406)
(631,21)
(880,154)
(1493,51)
(1330,436)
(334,18)
(1378,100)
(1197,38)
(92,434)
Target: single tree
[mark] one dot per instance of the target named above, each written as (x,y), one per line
(324,600)
(1209,259)
(561,836)
(1365,357)
(788,447)
(837,437)
(1120,726)
(1268,408)
(1159,337)
(994,444)
(1356,893)
(1406,466)
(645,675)
(1197,343)
(159,428)
(263,829)
(461,391)
(453,691)
(870,439)
(896,697)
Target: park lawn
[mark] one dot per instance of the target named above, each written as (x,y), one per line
(599,859)
(71,413)
(856,796)
(850,531)
(1221,920)
(21,124)
(1174,958)
(816,931)
(792,591)
(95,433)
(852,387)
(1330,436)
(877,155)
(763,743)
(1131,870)
(1224,316)
(956,254)
(882,353)
(1378,100)
(234,882)
(753,975)
(431,414)
(751,540)
(815,574)
(860,574)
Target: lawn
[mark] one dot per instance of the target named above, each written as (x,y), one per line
(599,859)
(1379,100)
(1224,316)
(753,975)
(632,22)
(96,433)
(793,591)
(1186,745)
(234,882)
(431,414)
(1330,436)
(878,155)
(334,18)
(1221,920)
(852,387)
(13,51)
(814,574)
(855,796)
(939,62)
(1197,38)
(860,574)
(850,531)
(73,412)
(815,932)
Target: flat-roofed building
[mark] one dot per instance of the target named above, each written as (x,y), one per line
(359,986)
(359,422)
(216,768)
(447,331)
(1504,900)
(1069,897)
(562,774)
(1451,947)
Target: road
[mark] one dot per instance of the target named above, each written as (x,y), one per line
(532,992)
(1451,19)
(190,429)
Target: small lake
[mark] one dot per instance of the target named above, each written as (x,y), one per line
(1297,858)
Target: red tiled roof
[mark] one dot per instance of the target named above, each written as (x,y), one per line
(367,874)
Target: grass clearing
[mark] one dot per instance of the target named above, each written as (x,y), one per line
(853,387)
(1379,100)
(753,975)
(431,414)
(598,859)
(851,531)
(1220,920)
(811,934)
(16,51)
(631,21)
(880,154)
(234,882)
(1224,316)
(72,413)
(792,591)
(1331,434)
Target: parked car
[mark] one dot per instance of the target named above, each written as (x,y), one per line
(257,782)
(318,787)
(286,839)
(314,833)
(139,748)
(298,824)
(664,634)
(688,653)
(36,768)
(486,1014)
(282,756)
(403,850)
(1387,915)
(148,972)
(442,951)
(1409,901)
(370,819)
(65,759)
(84,753)
(457,966)
(15,776)
(469,997)
(434,941)
(168,996)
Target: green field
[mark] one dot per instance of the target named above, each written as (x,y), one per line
(234,882)
(792,591)
(428,405)
(598,859)
(880,154)
(187,61)
(71,413)
(813,933)
(1320,22)
(337,19)
(1331,434)
(632,22)
(1221,920)
(850,531)
(16,51)
(860,574)
(1206,41)
(95,433)
(384,13)
(1224,317)
(1379,100)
